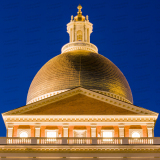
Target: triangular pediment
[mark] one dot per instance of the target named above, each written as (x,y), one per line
(80,101)
(79,105)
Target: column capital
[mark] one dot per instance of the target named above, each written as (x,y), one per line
(121,125)
(10,126)
(65,125)
(93,125)
(37,125)
(150,125)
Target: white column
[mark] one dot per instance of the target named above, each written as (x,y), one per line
(150,130)
(70,35)
(121,130)
(10,130)
(85,34)
(65,131)
(37,130)
(88,36)
(73,35)
(93,131)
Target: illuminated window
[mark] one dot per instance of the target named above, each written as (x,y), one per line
(107,134)
(135,135)
(23,134)
(51,134)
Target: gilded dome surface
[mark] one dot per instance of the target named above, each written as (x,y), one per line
(79,68)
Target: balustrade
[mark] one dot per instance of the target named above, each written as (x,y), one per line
(80,141)
(140,140)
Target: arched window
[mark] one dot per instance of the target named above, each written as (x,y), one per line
(136,134)
(79,35)
(23,134)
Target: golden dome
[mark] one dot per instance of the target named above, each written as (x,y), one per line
(79,68)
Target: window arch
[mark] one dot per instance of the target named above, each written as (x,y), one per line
(136,134)
(79,35)
(23,134)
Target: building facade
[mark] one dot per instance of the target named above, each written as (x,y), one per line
(80,106)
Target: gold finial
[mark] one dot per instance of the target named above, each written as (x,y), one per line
(79,9)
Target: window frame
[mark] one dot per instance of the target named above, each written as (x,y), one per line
(107,130)
(74,130)
(51,130)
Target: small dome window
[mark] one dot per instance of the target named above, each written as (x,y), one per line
(79,35)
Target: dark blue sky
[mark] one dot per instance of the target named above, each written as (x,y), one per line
(126,32)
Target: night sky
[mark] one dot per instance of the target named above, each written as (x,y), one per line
(126,32)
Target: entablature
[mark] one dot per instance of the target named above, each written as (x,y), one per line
(80,120)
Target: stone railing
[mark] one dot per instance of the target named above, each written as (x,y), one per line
(79,46)
(79,141)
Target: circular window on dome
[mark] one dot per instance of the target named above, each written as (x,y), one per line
(23,134)
(136,135)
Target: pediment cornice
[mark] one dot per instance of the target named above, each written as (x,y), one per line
(80,90)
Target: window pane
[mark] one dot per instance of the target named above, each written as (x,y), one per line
(51,134)
(107,134)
